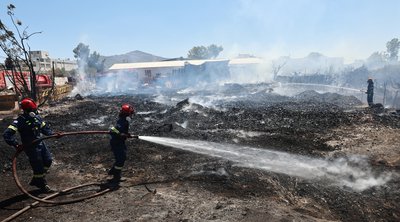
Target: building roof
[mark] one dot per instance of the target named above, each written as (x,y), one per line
(160,64)
(245,61)
(180,63)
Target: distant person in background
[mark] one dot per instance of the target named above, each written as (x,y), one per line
(370,92)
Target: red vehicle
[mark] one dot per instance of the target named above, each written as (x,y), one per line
(43,81)
(6,79)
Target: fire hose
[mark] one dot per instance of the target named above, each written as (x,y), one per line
(45,200)
(10,218)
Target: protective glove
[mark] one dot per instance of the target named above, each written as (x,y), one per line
(133,136)
(128,135)
(58,135)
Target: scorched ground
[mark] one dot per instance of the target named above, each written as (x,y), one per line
(194,187)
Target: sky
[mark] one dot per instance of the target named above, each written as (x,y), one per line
(352,29)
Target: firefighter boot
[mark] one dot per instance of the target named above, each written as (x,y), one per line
(116,176)
(37,182)
(41,184)
(112,171)
(116,179)
(46,189)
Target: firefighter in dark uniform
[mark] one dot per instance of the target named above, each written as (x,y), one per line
(370,92)
(30,126)
(119,133)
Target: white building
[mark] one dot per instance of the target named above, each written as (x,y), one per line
(43,63)
(177,73)
(149,70)
(65,64)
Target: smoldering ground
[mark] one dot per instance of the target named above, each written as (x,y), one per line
(267,156)
(255,150)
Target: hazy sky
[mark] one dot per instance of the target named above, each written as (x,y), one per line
(169,28)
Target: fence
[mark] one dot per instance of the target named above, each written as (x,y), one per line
(8,101)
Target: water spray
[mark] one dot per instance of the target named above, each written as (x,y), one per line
(353,172)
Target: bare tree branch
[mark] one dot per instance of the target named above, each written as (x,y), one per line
(16,47)
(276,67)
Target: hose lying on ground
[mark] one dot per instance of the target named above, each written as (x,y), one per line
(44,200)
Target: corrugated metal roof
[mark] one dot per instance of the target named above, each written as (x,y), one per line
(144,65)
(243,61)
(180,63)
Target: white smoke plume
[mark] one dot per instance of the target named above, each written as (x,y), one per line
(84,85)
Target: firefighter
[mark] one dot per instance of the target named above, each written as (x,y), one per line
(370,92)
(30,126)
(119,133)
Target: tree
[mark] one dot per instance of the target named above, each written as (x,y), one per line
(198,52)
(393,49)
(91,63)
(377,57)
(278,65)
(376,60)
(95,62)
(14,43)
(202,52)
(214,50)
(81,52)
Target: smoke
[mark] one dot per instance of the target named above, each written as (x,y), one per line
(84,85)
(210,75)
(117,83)
(250,73)
(353,172)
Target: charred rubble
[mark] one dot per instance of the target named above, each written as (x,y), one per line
(204,187)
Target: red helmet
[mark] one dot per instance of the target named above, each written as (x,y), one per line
(127,109)
(28,104)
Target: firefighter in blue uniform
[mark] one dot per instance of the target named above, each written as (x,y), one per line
(30,126)
(119,133)
(370,92)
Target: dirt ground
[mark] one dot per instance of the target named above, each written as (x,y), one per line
(188,186)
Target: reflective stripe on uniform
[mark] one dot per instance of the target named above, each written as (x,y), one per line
(43,124)
(114,130)
(13,128)
(118,168)
(38,175)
